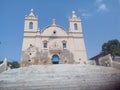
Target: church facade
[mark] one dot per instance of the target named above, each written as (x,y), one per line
(53,44)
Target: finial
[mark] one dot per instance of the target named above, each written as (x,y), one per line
(53,22)
(5,58)
(31,13)
(32,10)
(74,14)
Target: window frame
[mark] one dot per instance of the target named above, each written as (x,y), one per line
(75,26)
(64,44)
(31,25)
(45,44)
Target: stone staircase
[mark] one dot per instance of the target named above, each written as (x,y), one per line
(61,77)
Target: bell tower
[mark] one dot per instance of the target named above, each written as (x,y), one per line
(75,23)
(76,39)
(31,22)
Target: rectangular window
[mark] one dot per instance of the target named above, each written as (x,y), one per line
(45,45)
(64,45)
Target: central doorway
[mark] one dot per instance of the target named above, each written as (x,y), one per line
(55,59)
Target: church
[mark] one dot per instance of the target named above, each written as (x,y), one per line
(52,44)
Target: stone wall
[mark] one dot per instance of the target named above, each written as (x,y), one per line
(33,56)
(105,60)
(3,66)
(91,62)
(116,64)
(117,58)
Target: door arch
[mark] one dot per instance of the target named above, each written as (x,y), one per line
(55,59)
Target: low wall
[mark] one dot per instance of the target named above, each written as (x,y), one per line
(106,60)
(3,66)
(116,64)
(91,62)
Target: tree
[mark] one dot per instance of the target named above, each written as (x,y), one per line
(14,64)
(111,47)
(1,62)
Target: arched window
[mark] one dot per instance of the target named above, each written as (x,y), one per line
(31,25)
(75,27)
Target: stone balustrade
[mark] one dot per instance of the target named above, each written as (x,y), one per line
(116,64)
(3,66)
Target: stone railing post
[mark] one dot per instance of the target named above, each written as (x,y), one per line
(3,66)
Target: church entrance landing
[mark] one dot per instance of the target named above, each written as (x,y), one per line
(55,59)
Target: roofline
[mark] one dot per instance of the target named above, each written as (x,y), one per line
(53,26)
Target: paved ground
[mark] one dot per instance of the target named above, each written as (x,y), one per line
(61,77)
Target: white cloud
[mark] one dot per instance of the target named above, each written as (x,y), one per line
(102,8)
(81,13)
(84,13)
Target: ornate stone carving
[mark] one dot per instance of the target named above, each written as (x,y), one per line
(55,47)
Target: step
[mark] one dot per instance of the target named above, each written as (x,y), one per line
(60,77)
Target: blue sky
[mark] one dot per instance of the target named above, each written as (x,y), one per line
(100,21)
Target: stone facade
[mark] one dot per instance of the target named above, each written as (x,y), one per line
(53,44)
